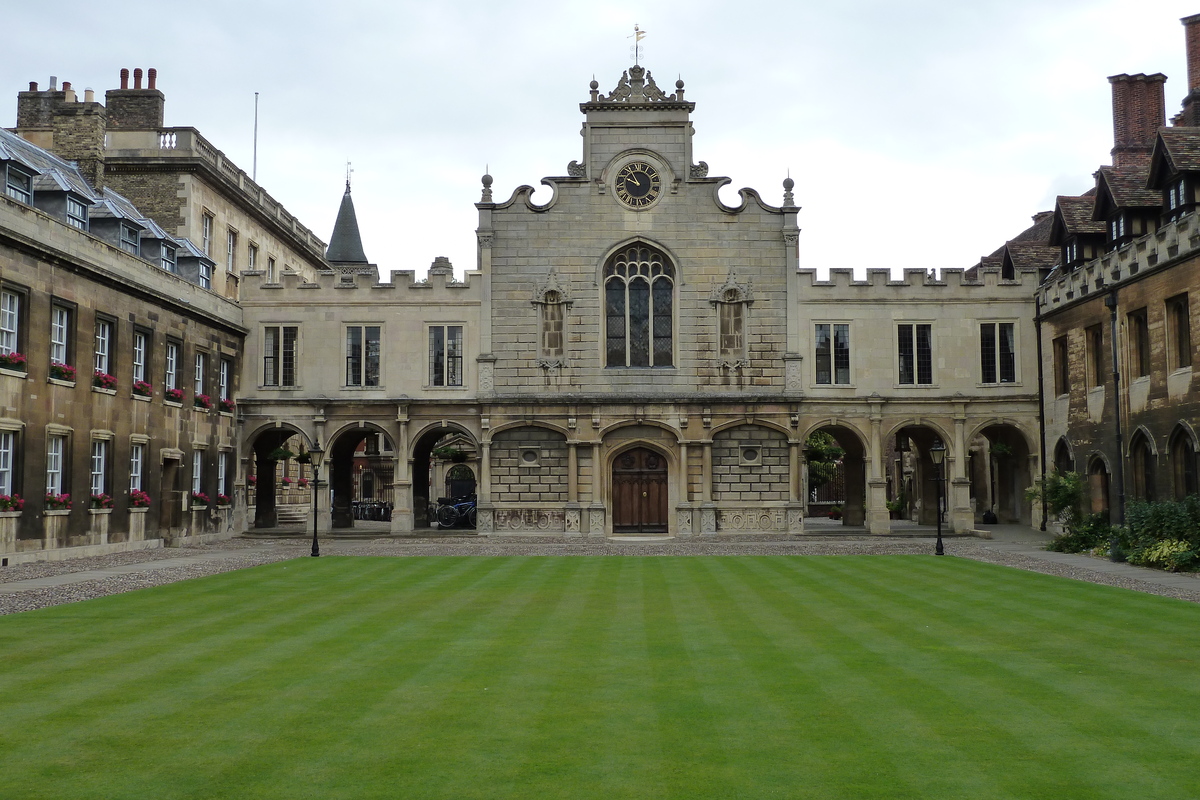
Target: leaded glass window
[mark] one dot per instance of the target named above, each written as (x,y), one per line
(639,294)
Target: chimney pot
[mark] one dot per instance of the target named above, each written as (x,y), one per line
(89,96)
(137,78)
(152,77)
(66,86)
(125,78)
(54,83)
(33,86)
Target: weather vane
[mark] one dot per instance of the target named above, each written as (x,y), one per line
(637,36)
(348,171)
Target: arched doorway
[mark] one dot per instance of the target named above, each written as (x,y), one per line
(1142,461)
(837,478)
(1098,487)
(1064,462)
(276,477)
(1183,463)
(360,468)
(639,492)
(453,445)
(1008,475)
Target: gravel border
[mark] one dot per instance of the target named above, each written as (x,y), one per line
(246,553)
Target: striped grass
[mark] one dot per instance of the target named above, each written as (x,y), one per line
(691,677)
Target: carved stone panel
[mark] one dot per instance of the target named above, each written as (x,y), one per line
(484,522)
(530,519)
(572,520)
(751,519)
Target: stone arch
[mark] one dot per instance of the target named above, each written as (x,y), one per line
(851,472)
(529,464)
(1007,468)
(262,442)
(639,488)
(924,484)
(1185,471)
(1099,478)
(1064,455)
(764,423)
(1143,460)
(421,445)
(528,424)
(609,430)
(344,466)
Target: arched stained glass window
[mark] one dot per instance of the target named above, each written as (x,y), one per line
(639,299)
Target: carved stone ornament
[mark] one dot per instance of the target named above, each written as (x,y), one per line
(699,170)
(596,522)
(795,518)
(485,523)
(750,519)
(551,284)
(576,170)
(708,521)
(791,238)
(732,290)
(683,521)
(572,520)
(793,378)
(550,366)
(485,239)
(637,86)
(486,377)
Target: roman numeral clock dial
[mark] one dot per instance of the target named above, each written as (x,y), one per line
(637,184)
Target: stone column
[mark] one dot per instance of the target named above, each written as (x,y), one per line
(596,524)
(485,515)
(708,509)
(572,524)
(684,522)
(795,511)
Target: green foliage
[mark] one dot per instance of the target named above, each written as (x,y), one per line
(1090,534)
(280,454)
(1165,535)
(1174,555)
(823,455)
(1063,495)
(1000,449)
(898,503)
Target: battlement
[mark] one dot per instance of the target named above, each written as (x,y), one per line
(438,285)
(1170,243)
(1024,283)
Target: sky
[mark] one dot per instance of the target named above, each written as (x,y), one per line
(920,134)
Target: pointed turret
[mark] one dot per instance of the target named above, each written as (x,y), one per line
(345,245)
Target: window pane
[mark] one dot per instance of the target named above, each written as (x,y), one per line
(663,301)
(288,378)
(841,353)
(139,356)
(354,356)
(615,329)
(904,346)
(99,452)
(9,316)
(135,467)
(437,356)
(639,323)
(1008,353)
(55,446)
(371,378)
(924,354)
(59,324)
(987,352)
(172,365)
(454,355)
(731,330)
(271,357)
(7,443)
(824,362)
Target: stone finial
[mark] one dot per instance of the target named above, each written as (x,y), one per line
(487,188)
(788,198)
(441,266)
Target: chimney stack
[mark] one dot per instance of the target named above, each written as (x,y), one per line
(1190,115)
(136,108)
(1139,110)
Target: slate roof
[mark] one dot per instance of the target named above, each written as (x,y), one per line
(1124,187)
(1073,217)
(345,245)
(1182,147)
(1032,256)
(53,173)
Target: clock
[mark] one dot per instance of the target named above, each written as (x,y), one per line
(637,184)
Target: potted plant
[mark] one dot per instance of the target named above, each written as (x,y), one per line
(142,389)
(198,498)
(280,454)
(225,405)
(450,453)
(62,372)
(202,401)
(58,502)
(11,502)
(102,500)
(139,499)
(896,506)
(835,512)
(174,395)
(287,481)
(252,480)
(302,483)
(102,380)
(13,360)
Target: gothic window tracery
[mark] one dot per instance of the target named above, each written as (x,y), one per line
(639,299)
(732,300)
(552,303)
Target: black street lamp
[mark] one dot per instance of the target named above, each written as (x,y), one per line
(937,454)
(315,454)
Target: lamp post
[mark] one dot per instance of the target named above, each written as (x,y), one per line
(937,454)
(315,454)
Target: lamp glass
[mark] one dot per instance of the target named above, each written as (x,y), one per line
(315,453)
(937,453)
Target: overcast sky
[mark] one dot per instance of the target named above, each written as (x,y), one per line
(919,133)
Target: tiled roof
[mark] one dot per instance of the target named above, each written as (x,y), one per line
(1076,215)
(54,173)
(1183,147)
(1032,256)
(1124,187)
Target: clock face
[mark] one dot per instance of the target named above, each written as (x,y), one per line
(637,184)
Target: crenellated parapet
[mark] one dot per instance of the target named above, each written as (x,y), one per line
(920,283)
(1171,243)
(438,285)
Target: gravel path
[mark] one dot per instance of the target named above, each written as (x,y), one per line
(241,553)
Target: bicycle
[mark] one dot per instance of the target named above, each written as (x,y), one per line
(455,511)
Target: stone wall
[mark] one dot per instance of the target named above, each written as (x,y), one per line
(750,464)
(529,465)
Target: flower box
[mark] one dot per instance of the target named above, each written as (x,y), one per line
(202,401)
(198,498)
(223,500)
(58,502)
(225,406)
(173,395)
(11,502)
(62,372)
(142,389)
(139,499)
(102,501)
(14,361)
(102,380)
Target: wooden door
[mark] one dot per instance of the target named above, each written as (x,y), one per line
(639,492)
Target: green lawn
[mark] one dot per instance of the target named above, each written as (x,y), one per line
(750,677)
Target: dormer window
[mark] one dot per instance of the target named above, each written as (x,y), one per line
(77,214)
(18,184)
(129,239)
(1118,229)
(167,259)
(1070,252)
(1177,199)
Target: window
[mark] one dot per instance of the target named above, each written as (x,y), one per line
(172,376)
(11,304)
(279,355)
(205,275)
(99,466)
(1177,199)
(225,370)
(998,352)
(1095,355)
(167,258)
(231,250)
(130,242)
(915,353)
(1179,332)
(732,301)
(552,327)
(198,378)
(1062,371)
(270,270)
(140,342)
(639,301)
(362,355)
(8,452)
(833,353)
(56,448)
(223,473)
(60,335)
(206,231)
(1142,462)
(1117,228)
(137,457)
(197,471)
(1139,343)
(1070,251)
(77,214)
(252,257)
(19,184)
(104,340)
(1183,464)
(445,355)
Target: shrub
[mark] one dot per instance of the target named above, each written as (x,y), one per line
(11,502)
(1174,555)
(102,380)
(1090,534)
(139,499)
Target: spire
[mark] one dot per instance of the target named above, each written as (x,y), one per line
(345,245)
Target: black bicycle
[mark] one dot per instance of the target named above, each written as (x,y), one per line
(457,511)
